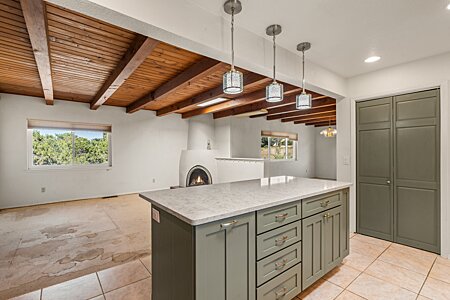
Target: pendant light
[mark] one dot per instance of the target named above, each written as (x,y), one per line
(329,132)
(233,82)
(303,101)
(274,91)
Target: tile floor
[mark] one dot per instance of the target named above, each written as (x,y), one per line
(44,245)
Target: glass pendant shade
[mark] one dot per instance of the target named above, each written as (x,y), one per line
(303,101)
(233,82)
(274,92)
(329,132)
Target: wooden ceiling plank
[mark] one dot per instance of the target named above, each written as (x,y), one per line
(139,50)
(324,114)
(36,22)
(313,122)
(198,70)
(216,92)
(318,108)
(292,107)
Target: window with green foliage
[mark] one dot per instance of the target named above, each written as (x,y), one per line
(53,147)
(283,147)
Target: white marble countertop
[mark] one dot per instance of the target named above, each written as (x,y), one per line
(203,204)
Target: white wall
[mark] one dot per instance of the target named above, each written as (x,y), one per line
(144,147)
(418,75)
(325,155)
(246,142)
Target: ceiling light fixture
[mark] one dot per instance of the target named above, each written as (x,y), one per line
(274,91)
(233,80)
(372,59)
(448,6)
(213,101)
(303,100)
(329,132)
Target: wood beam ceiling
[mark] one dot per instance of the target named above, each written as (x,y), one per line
(316,121)
(249,80)
(321,115)
(35,17)
(199,70)
(141,47)
(300,113)
(316,102)
(322,124)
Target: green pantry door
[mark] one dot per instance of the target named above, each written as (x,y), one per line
(398,169)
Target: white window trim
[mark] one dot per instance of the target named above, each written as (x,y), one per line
(294,143)
(32,167)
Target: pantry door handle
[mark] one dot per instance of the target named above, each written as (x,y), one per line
(388,181)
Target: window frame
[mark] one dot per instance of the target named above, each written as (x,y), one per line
(286,139)
(73,166)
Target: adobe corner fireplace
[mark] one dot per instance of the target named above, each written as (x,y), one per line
(198,175)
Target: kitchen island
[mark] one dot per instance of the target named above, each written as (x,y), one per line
(262,239)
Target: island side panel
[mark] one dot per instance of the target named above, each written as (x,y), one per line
(173,258)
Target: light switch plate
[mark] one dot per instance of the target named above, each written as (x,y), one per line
(155,215)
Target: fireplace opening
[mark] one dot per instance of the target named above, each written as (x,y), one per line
(198,175)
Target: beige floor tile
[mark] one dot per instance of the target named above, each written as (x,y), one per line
(443,261)
(441,272)
(411,259)
(352,234)
(346,295)
(119,276)
(85,287)
(358,261)
(147,261)
(366,249)
(397,275)
(101,297)
(435,289)
(375,289)
(342,276)
(371,240)
(140,290)
(321,290)
(420,297)
(36,295)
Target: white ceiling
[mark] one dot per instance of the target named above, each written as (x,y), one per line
(345,32)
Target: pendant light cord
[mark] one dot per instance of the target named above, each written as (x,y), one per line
(303,79)
(274,55)
(232,38)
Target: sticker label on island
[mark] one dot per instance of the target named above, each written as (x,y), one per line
(155,215)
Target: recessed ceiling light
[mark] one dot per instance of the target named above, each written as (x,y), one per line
(448,6)
(372,59)
(213,101)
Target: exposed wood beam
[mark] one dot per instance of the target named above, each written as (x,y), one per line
(287,103)
(300,113)
(324,124)
(249,80)
(326,114)
(200,69)
(35,16)
(138,51)
(313,122)
(292,108)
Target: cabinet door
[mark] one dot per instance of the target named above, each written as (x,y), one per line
(345,224)
(313,249)
(333,219)
(225,259)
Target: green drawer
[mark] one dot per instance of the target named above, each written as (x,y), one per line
(283,287)
(277,239)
(274,217)
(277,263)
(317,204)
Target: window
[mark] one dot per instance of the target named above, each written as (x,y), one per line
(54,144)
(278,145)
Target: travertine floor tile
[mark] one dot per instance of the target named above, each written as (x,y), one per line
(147,261)
(371,240)
(358,261)
(441,272)
(119,276)
(414,260)
(321,290)
(140,290)
(342,276)
(36,295)
(85,287)
(397,275)
(346,295)
(366,249)
(436,289)
(443,261)
(376,289)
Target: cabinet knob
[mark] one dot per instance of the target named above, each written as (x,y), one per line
(226,225)
(280,265)
(324,203)
(280,293)
(281,241)
(388,181)
(327,216)
(281,217)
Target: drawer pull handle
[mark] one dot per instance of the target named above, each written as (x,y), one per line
(327,216)
(281,217)
(324,203)
(280,293)
(280,265)
(226,225)
(281,241)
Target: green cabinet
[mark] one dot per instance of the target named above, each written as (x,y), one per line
(225,259)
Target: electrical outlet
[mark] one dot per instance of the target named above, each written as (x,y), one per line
(43,189)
